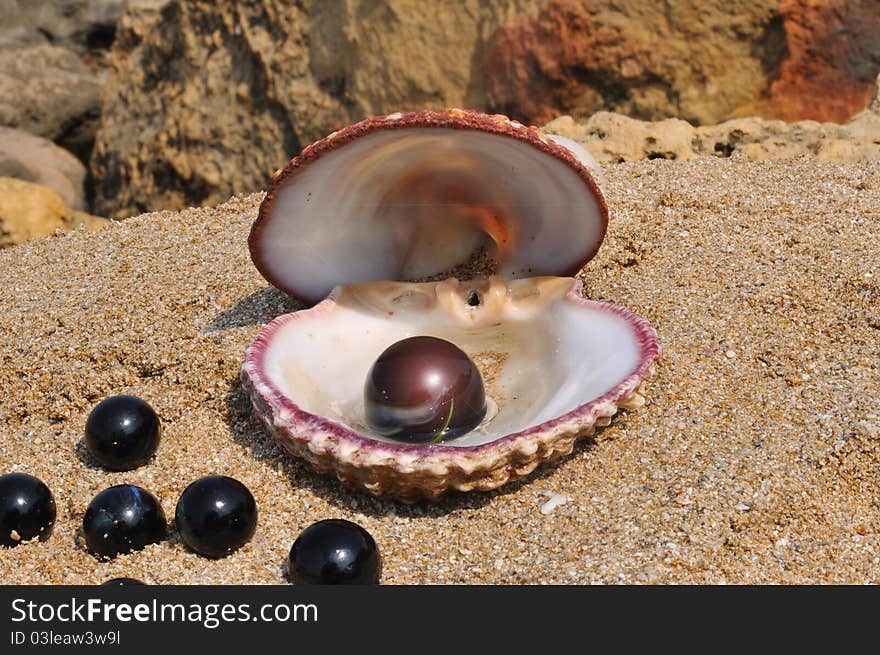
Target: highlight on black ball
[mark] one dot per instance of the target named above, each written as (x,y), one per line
(123,582)
(27,509)
(334,552)
(122,432)
(122,519)
(216,515)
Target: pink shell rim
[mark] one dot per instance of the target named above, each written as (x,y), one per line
(461,119)
(254,368)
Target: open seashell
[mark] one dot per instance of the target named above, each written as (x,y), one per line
(490,218)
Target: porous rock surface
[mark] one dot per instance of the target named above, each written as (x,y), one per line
(209,99)
(616,138)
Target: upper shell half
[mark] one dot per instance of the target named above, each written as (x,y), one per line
(491,217)
(424,195)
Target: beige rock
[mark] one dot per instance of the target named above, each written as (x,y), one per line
(134,24)
(206,100)
(874,104)
(845,150)
(29,211)
(866,124)
(13,37)
(615,138)
(34,159)
(773,149)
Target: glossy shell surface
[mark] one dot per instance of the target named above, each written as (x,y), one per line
(426,195)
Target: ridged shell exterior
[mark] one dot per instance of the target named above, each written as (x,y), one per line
(411,472)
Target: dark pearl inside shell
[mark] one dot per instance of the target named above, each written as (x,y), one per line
(424,390)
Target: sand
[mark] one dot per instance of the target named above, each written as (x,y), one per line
(755,460)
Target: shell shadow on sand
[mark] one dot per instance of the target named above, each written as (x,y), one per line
(247,430)
(258,308)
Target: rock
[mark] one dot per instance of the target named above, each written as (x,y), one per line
(615,138)
(703,62)
(208,99)
(833,56)
(52,57)
(48,91)
(866,124)
(134,24)
(81,25)
(34,159)
(29,211)
(845,150)
(698,61)
(874,106)
(20,37)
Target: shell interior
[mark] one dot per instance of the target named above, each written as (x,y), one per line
(541,352)
(423,203)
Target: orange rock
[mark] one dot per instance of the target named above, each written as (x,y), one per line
(833,56)
(695,61)
(703,62)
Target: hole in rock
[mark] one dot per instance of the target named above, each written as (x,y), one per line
(101,37)
(724,149)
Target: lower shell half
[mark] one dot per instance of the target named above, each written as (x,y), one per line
(555,366)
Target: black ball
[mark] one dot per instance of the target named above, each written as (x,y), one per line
(122,432)
(27,509)
(123,582)
(216,515)
(334,551)
(121,519)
